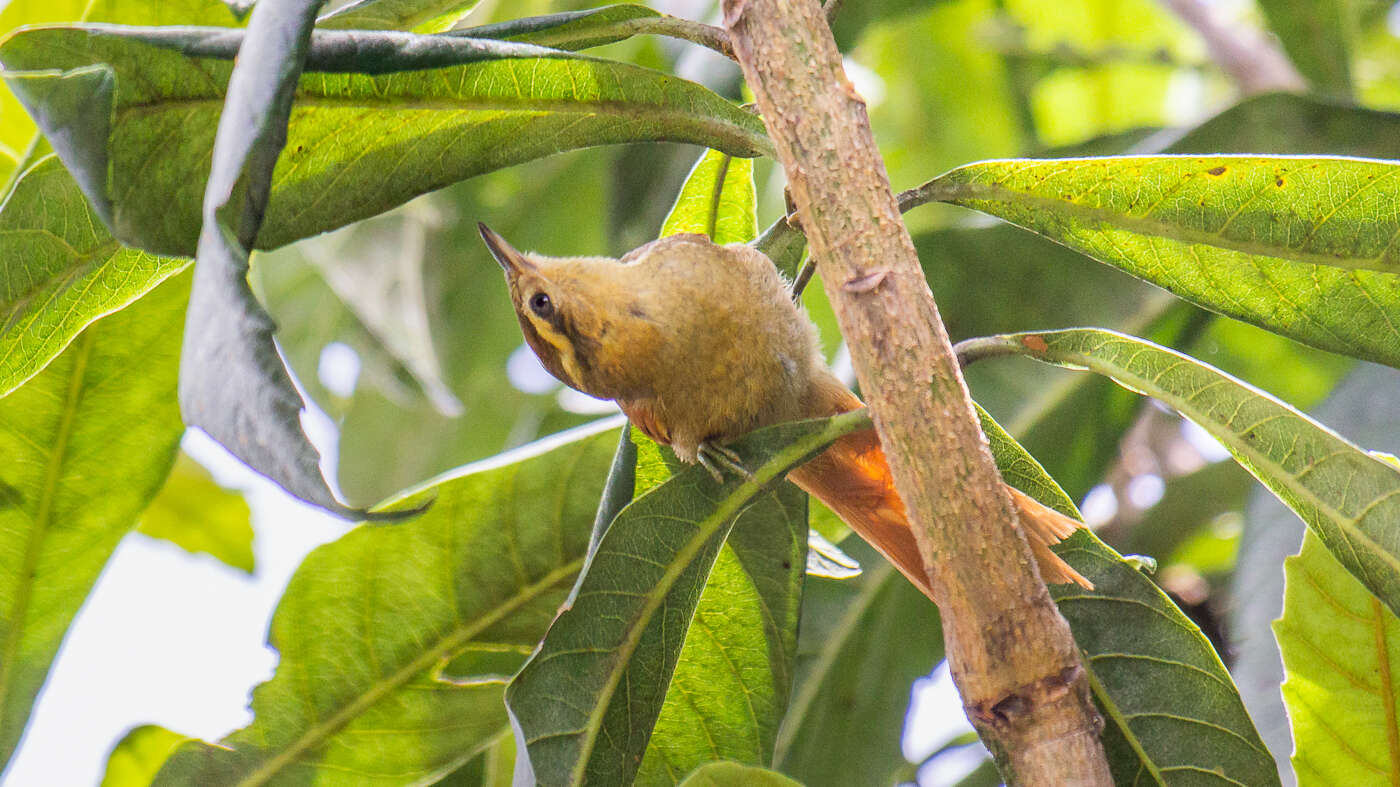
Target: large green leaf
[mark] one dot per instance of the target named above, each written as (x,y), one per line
(585,704)
(62,271)
(86,444)
(1301,247)
(1341,650)
(717,200)
(863,643)
(1348,497)
(397,640)
(733,676)
(196,514)
(425,112)
(1172,714)
(1317,35)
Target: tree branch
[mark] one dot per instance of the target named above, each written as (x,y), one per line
(1010,652)
(1254,62)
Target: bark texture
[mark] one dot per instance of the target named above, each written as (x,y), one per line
(1010,651)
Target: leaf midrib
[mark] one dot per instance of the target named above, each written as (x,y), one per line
(959,192)
(43,517)
(322,730)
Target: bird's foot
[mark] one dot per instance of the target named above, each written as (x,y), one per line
(717,458)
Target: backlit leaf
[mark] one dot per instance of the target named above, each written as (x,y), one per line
(1341,650)
(1302,247)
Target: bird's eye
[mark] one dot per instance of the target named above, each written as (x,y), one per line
(541,305)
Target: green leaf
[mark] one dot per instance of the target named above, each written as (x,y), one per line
(572,30)
(1345,495)
(396,640)
(87,443)
(1301,247)
(733,676)
(427,111)
(864,642)
(1317,35)
(1172,714)
(420,16)
(1341,656)
(585,704)
(725,774)
(139,755)
(62,271)
(717,200)
(197,515)
(1285,124)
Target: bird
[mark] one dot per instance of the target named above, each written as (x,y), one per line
(699,343)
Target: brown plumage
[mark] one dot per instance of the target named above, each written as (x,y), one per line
(699,344)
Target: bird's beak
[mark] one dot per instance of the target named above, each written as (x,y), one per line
(510,259)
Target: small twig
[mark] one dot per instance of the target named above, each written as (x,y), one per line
(1253,61)
(803,277)
(830,8)
(708,36)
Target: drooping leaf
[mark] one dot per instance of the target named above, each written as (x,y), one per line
(1301,247)
(724,774)
(62,271)
(1341,650)
(139,755)
(1345,495)
(233,384)
(717,200)
(193,512)
(864,642)
(1171,711)
(87,443)
(612,653)
(396,641)
(1317,35)
(426,112)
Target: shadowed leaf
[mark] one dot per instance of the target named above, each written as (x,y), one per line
(1171,711)
(613,652)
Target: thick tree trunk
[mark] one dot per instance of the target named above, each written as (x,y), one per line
(1010,652)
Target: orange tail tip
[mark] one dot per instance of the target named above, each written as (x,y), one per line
(1044,526)
(853,479)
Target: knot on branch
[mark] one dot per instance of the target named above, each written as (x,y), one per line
(1006,711)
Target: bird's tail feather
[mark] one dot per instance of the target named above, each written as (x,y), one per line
(852,478)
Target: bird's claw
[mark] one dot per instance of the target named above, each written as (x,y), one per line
(717,459)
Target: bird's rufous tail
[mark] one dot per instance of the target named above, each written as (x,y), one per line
(853,479)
